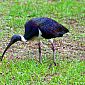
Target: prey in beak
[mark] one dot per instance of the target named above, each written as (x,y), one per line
(14,39)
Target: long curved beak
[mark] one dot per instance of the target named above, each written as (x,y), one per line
(1,57)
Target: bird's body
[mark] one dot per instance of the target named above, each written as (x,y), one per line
(39,28)
(46,26)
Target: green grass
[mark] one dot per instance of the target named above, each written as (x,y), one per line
(19,72)
(14,14)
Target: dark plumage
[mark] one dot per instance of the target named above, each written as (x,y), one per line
(40,27)
(48,27)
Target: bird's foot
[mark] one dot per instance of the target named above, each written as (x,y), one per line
(51,65)
(40,62)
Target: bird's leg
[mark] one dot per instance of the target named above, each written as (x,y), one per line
(54,51)
(40,57)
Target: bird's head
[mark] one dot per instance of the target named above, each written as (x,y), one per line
(14,39)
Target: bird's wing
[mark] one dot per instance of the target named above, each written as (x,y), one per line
(50,28)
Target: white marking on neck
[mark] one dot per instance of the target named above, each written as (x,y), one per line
(40,33)
(51,40)
(23,39)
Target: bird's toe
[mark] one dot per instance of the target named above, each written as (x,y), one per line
(55,64)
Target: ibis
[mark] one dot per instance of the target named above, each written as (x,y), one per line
(39,28)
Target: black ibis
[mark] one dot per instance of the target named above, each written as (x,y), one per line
(38,28)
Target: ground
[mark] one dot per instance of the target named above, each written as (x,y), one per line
(20,64)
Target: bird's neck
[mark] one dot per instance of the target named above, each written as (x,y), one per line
(23,39)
